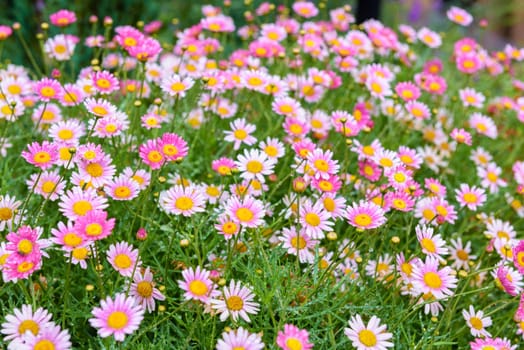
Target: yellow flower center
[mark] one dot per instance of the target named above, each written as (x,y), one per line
(123,261)
(14,89)
(25,246)
(25,266)
(229,228)
(103,83)
(429,245)
(399,177)
(184,203)
(325,185)
(321,165)
(432,280)
(145,289)
(244,214)
(329,204)
(93,229)
(376,87)
(470,198)
(240,134)
(44,344)
(298,242)
(82,207)
(312,219)
(254,166)
(428,214)
(154,156)
(363,220)
(41,157)
(293,344)
(71,239)
(80,253)
(28,325)
(178,87)
(5,214)
(198,288)
(48,91)
(122,192)
(286,109)
(235,303)
(99,110)
(386,162)
(476,323)
(367,337)
(94,169)
(129,41)
(117,320)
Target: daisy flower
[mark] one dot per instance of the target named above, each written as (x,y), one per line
(471,97)
(461,254)
(483,125)
(94,225)
(509,279)
(240,133)
(105,82)
(151,154)
(8,207)
(429,38)
(65,236)
(60,47)
(172,146)
(98,173)
(476,322)
(240,339)
(69,131)
(76,203)
(461,136)
(25,320)
(43,155)
(490,177)
(237,301)
(122,188)
(314,219)
(322,164)
(62,18)
(378,87)
(197,285)
(117,317)
(427,278)
(180,200)
(47,89)
(518,256)
(254,164)
(330,185)
(365,215)
(272,147)
(372,336)
(407,91)
(293,338)
(298,243)
(432,244)
(459,16)
(50,337)
(176,85)
(248,211)
(305,9)
(123,258)
(381,269)
(140,176)
(470,196)
(144,291)
(99,107)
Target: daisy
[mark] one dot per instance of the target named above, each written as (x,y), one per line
(427,278)
(144,291)
(272,147)
(172,146)
(518,256)
(47,89)
(65,236)
(432,244)
(180,200)
(365,215)
(60,47)
(76,203)
(105,82)
(459,16)
(322,164)
(122,188)
(399,200)
(99,107)
(45,114)
(476,322)
(8,208)
(481,157)
(227,227)
(407,91)
(117,317)
(386,158)
(509,280)
(470,196)
(293,338)
(69,131)
(240,339)
(50,337)
(372,336)
(461,254)
(378,87)
(314,219)
(237,300)
(151,154)
(94,225)
(62,18)
(461,136)
(469,63)
(123,258)
(80,254)
(483,125)
(98,173)
(305,9)
(140,176)
(490,177)
(429,38)
(110,126)
(43,155)
(254,164)
(418,110)
(499,229)
(49,184)
(247,212)
(240,133)
(197,285)
(299,243)
(25,320)
(471,97)
(176,85)
(381,269)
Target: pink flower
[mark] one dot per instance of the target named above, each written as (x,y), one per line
(62,18)
(461,136)
(293,338)
(518,256)
(94,225)
(5,32)
(117,317)
(198,285)
(407,91)
(42,155)
(459,16)
(47,89)
(305,9)
(145,50)
(248,212)
(151,154)
(365,215)
(172,146)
